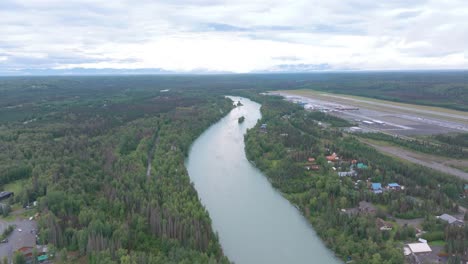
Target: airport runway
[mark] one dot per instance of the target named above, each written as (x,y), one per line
(390,118)
(404,121)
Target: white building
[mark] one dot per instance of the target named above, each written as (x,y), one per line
(417,248)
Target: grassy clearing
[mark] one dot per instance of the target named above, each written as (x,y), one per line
(11,217)
(15,186)
(437,243)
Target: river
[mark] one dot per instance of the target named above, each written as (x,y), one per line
(254,222)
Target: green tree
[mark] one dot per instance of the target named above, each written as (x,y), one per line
(18,258)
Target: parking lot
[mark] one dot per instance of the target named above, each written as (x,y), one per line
(18,239)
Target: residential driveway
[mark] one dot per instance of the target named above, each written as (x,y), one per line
(416,223)
(18,239)
(3,226)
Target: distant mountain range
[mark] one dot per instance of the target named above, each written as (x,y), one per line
(83,71)
(281,68)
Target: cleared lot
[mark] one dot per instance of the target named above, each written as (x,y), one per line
(18,239)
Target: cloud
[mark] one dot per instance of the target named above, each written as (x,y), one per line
(222,27)
(298,68)
(287,58)
(238,36)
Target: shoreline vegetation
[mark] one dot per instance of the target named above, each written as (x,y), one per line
(79,145)
(85,160)
(295,156)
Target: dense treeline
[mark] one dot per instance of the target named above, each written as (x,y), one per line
(460,140)
(104,156)
(443,89)
(10,173)
(32,95)
(86,163)
(448,150)
(321,195)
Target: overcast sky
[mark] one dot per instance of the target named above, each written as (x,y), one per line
(236,36)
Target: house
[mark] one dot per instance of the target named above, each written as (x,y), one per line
(332,157)
(394,186)
(376,187)
(314,167)
(311,160)
(350,173)
(383,225)
(366,207)
(417,248)
(362,166)
(27,252)
(5,195)
(450,220)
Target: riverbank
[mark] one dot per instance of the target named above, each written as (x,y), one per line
(331,177)
(255,223)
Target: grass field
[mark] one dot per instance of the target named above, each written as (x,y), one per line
(437,243)
(15,186)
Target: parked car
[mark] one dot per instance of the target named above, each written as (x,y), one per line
(4,240)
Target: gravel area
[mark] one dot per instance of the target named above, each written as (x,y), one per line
(18,239)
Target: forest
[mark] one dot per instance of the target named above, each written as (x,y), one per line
(460,140)
(104,158)
(107,170)
(326,199)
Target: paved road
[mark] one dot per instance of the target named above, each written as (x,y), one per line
(3,226)
(409,156)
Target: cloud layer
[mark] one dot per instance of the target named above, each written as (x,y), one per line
(235,36)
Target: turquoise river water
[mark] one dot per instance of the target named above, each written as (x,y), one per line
(254,222)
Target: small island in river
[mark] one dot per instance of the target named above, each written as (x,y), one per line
(241,119)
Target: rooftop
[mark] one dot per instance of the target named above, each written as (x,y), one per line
(419,247)
(362,166)
(448,218)
(346,173)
